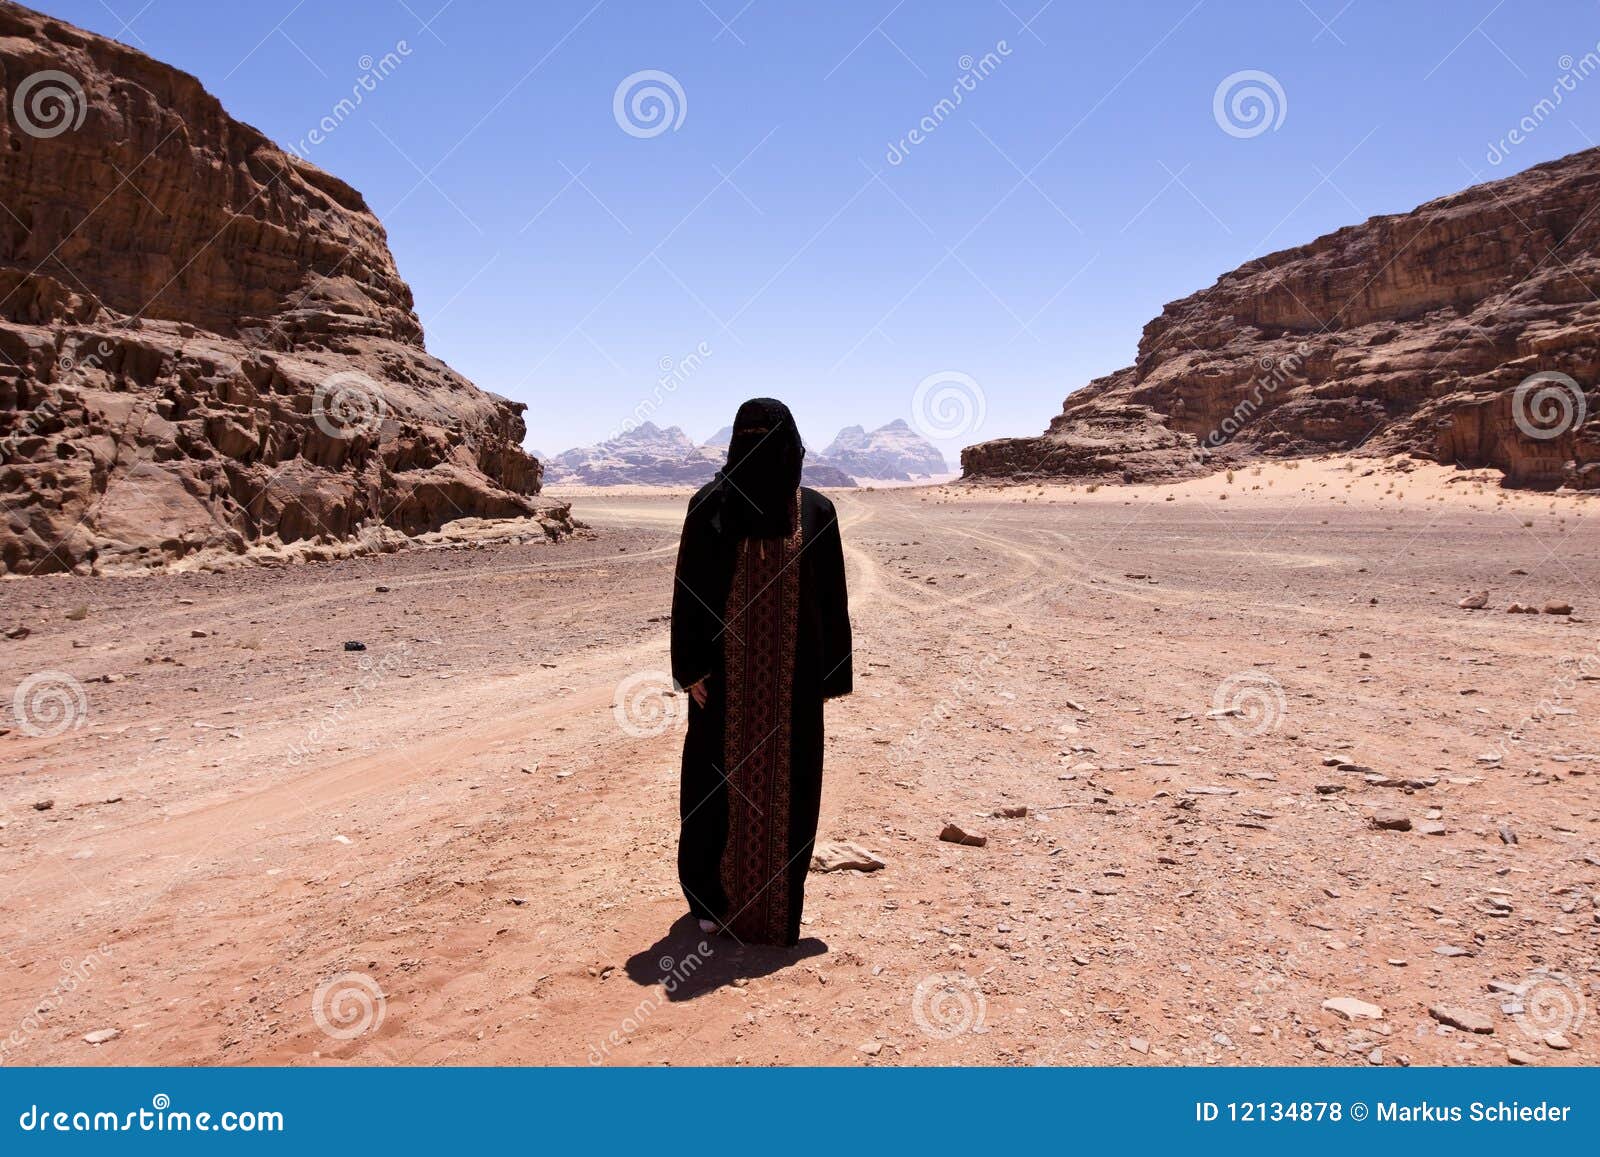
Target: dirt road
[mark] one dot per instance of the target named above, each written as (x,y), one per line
(456,846)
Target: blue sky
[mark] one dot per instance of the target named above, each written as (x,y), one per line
(1080,183)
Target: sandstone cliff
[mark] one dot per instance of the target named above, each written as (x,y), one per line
(205,346)
(1416,332)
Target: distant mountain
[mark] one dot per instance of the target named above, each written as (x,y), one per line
(894,452)
(652,456)
(644,456)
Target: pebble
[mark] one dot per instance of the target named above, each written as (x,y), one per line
(1475,601)
(101,1035)
(954,835)
(1518,1057)
(1555,608)
(1352,1009)
(1392,821)
(1556,1041)
(1462,1019)
(840,856)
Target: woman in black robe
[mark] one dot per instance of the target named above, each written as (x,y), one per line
(760,637)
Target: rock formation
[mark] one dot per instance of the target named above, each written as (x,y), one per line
(647,455)
(205,346)
(894,452)
(1419,332)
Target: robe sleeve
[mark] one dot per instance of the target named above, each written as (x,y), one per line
(837,669)
(696,628)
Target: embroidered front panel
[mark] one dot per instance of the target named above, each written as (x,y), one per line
(762,621)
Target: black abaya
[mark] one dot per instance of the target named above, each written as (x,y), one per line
(765,622)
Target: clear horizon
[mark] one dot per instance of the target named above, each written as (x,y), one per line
(928,212)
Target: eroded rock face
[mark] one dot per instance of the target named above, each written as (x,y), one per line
(205,345)
(1410,333)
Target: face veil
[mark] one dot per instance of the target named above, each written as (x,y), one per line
(762,474)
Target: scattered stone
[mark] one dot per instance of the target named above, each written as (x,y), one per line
(1409,782)
(840,856)
(1391,821)
(1430,828)
(1352,1009)
(1518,1057)
(1138,1044)
(381,589)
(1015,812)
(954,835)
(1556,1041)
(1554,608)
(18,632)
(355,645)
(43,805)
(1475,601)
(1462,1019)
(872,1048)
(1507,836)
(101,1035)
(197,633)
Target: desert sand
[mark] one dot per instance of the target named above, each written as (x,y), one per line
(246,844)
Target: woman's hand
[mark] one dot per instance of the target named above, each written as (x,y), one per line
(697,692)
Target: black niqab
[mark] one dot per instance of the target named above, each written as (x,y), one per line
(762,474)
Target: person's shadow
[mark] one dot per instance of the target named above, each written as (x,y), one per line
(688,963)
